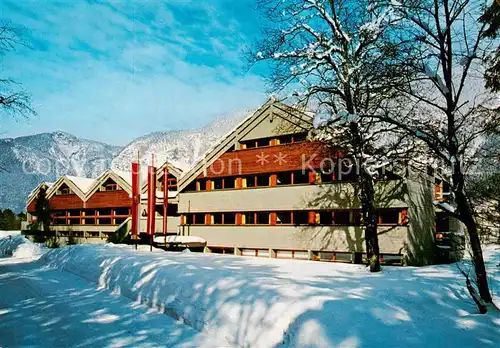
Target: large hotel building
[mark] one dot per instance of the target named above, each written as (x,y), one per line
(263,190)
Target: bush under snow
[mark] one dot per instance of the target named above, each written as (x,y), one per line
(18,247)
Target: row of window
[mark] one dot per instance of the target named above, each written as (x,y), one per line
(272,141)
(334,256)
(92,212)
(88,221)
(110,185)
(102,216)
(297,177)
(350,217)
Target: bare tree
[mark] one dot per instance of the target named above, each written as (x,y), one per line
(337,57)
(14,99)
(444,106)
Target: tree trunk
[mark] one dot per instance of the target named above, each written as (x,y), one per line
(370,219)
(467,217)
(367,196)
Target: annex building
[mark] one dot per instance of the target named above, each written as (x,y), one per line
(92,209)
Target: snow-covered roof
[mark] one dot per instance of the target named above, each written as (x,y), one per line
(126,176)
(175,171)
(84,184)
(186,240)
(226,141)
(79,185)
(34,192)
(445,206)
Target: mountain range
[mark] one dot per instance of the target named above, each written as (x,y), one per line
(26,161)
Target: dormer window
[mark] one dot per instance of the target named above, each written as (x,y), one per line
(172,183)
(111,187)
(65,191)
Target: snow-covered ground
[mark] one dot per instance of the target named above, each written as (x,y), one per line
(15,245)
(4,234)
(45,307)
(267,302)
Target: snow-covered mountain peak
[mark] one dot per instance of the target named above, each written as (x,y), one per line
(28,160)
(180,148)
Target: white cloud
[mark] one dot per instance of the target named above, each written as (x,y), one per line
(115,72)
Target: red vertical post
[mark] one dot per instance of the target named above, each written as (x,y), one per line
(165,202)
(136,200)
(151,203)
(153,200)
(148,211)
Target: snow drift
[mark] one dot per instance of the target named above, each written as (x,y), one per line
(268,302)
(4,234)
(19,247)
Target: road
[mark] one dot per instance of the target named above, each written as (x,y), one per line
(47,307)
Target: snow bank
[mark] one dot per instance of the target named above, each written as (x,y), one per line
(180,240)
(9,233)
(19,247)
(261,302)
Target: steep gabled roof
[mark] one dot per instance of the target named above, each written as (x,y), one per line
(78,185)
(34,193)
(123,179)
(177,172)
(125,176)
(84,184)
(271,108)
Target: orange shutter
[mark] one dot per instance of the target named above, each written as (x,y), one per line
(274,180)
(238,219)
(273,219)
(403,220)
(312,177)
(208,185)
(183,219)
(312,218)
(437,192)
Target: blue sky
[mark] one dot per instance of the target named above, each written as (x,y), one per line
(113,71)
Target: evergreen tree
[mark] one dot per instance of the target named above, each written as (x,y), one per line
(42,210)
(3,222)
(9,220)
